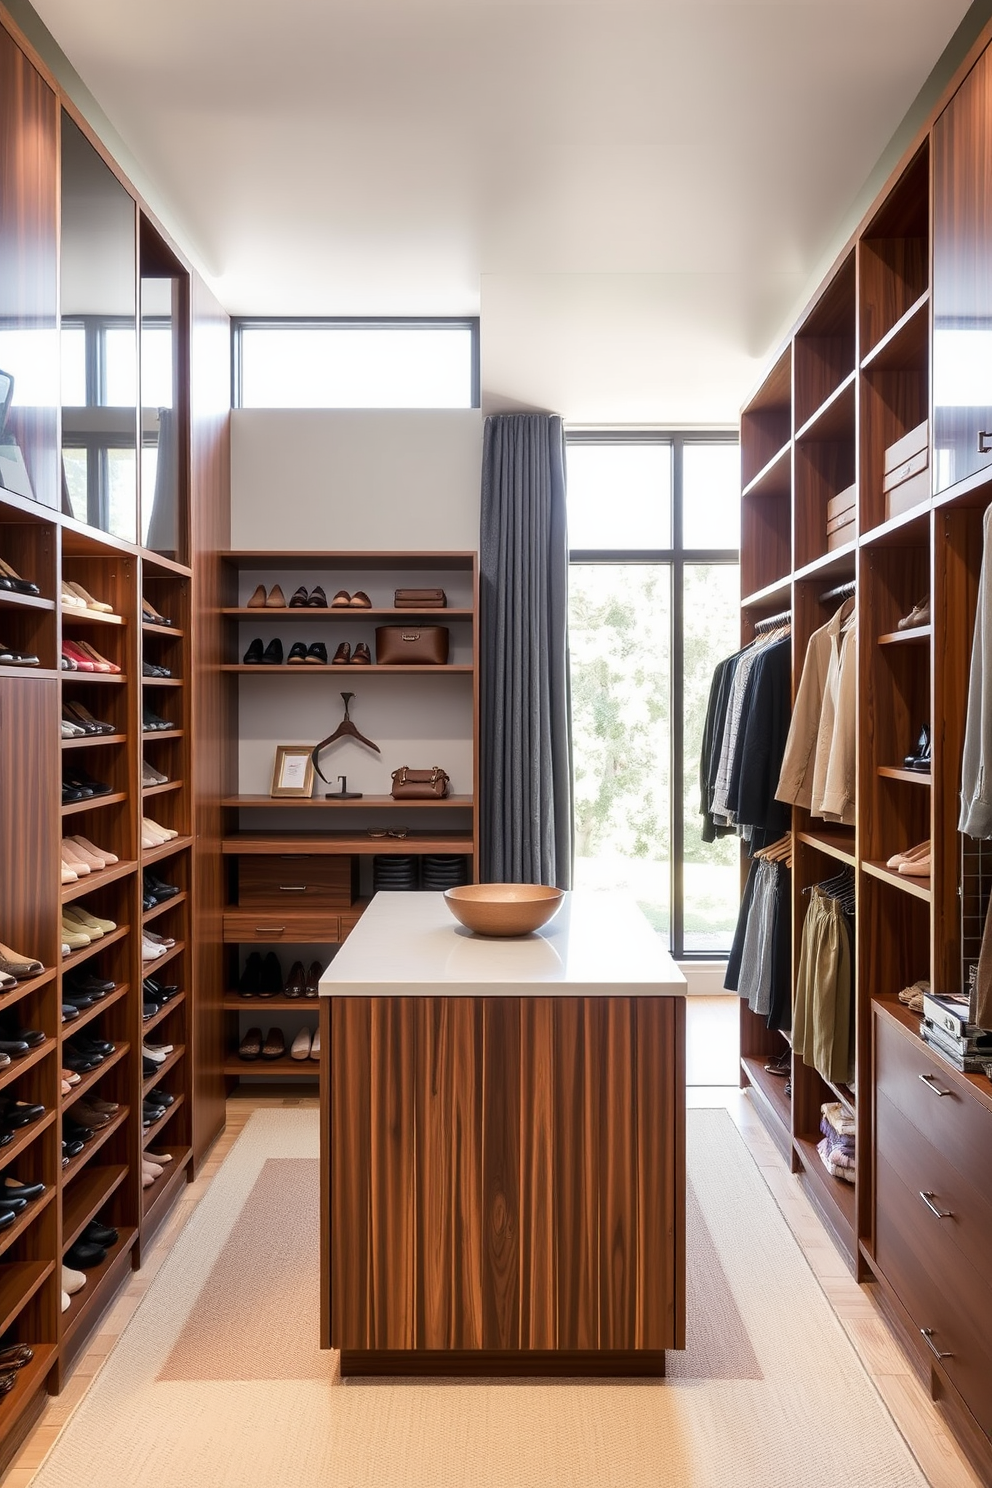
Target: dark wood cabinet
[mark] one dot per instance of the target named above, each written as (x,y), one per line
(962,280)
(505,1182)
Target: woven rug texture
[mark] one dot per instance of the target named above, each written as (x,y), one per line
(218,1379)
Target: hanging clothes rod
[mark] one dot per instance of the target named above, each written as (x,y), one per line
(773,620)
(842,591)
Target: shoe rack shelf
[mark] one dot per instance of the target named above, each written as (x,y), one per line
(852,380)
(447,827)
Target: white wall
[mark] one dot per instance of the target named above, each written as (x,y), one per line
(356,480)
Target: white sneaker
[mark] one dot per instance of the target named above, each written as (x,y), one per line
(72,1281)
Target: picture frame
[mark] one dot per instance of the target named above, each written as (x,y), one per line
(292,772)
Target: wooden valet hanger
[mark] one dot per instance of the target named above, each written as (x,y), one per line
(345,730)
(777,852)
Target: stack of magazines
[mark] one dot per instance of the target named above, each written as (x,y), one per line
(945,1029)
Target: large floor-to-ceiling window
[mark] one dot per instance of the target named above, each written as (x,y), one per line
(654,531)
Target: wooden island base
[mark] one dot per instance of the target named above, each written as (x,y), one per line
(503,1184)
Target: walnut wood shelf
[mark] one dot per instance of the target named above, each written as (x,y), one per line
(150,735)
(234,1002)
(770,1090)
(297,1069)
(150,915)
(101,1283)
(85,1197)
(93,803)
(25,1220)
(163,789)
(834,1195)
(897,772)
(149,627)
(163,681)
(73,616)
(88,1014)
(151,1082)
(918,887)
(109,679)
(94,1076)
(775,478)
(69,963)
(906,343)
(448,670)
(94,741)
(834,844)
(25,988)
(918,635)
(459,843)
(30,1382)
(90,882)
(20,1281)
(156,854)
(20,1066)
(156,1199)
(151,968)
(150,1133)
(11,601)
(84,1158)
(266,616)
(386,803)
(174,1002)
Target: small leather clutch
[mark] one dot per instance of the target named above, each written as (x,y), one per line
(411,645)
(413,599)
(419,785)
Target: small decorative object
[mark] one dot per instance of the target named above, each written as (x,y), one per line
(504,909)
(419,785)
(345,730)
(344,794)
(293,772)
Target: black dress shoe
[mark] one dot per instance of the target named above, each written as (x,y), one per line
(84,1255)
(7,1217)
(15,1048)
(86,782)
(150,1114)
(317,654)
(159,888)
(14,1035)
(20,1113)
(72,1131)
(71,1147)
(161,1097)
(83,1045)
(318,599)
(148,1068)
(14,1190)
(920,760)
(71,1011)
(300,598)
(271,975)
(6,1136)
(297,653)
(72,794)
(16,1206)
(7,1382)
(95,1233)
(81,1064)
(91,985)
(250,982)
(254,654)
(273,653)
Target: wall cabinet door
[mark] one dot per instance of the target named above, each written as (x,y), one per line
(962,280)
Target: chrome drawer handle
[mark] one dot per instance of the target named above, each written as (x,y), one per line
(984,448)
(940,1213)
(928,1079)
(928,1340)
(292,888)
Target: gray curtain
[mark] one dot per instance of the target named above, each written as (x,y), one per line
(526,765)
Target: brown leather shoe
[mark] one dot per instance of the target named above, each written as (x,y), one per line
(342,655)
(360,600)
(362,655)
(276,599)
(257,601)
(251,1045)
(341,600)
(275,1045)
(296,981)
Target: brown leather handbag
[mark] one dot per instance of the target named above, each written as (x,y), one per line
(419,785)
(411,645)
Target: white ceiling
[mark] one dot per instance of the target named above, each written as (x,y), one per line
(631,195)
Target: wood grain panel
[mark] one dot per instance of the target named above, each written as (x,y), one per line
(501,1213)
(30,819)
(349,1150)
(449,1173)
(660,1320)
(393,1209)
(578,1036)
(618,1196)
(538,1255)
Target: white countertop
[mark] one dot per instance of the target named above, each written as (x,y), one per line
(410,945)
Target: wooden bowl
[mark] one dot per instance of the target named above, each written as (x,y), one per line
(504,909)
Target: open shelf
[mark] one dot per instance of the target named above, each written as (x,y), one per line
(25,1219)
(149,915)
(459,843)
(297,1069)
(88,1014)
(152,1082)
(90,882)
(25,988)
(94,1076)
(266,616)
(918,635)
(85,1197)
(772,596)
(161,790)
(148,1136)
(101,1281)
(834,419)
(84,1158)
(156,854)
(147,1024)
(30,1382)
(18,1284)
(448,669)
(236,1002)
(93,803)
(73,616)
(109,679)
(386,803)
(836,1197)
(94,948)
(20,1066)
(25,1136)
(156,1198)
(907,343)
(11,601)
(150,628)
(94,741)
(897,772)
(919,888)
(151,968)
(835,844)
(770,1089)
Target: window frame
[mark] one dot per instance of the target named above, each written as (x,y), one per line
(677,557)
(240,323)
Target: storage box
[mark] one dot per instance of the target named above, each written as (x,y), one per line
(841,506)
(908,493)
(297,881)
(905,448)
(912,466)
(842,533)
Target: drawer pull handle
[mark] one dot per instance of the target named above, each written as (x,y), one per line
(928,1082)
(292,888)
(270,929)
(928,1340)
(940,1213)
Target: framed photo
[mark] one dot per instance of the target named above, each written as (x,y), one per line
(293,772)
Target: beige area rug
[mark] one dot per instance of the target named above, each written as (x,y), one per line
(218,1379)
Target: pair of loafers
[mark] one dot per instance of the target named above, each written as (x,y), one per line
(315,600)
(253,1046)
(913,863)
(301,654)
(258,654)
(344,656)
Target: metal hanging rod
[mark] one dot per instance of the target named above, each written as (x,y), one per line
(772,620)
(842,591)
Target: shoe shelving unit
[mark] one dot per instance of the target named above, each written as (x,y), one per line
(274,828)
(60,533)
(852,379)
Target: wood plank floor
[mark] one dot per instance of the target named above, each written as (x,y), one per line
(904,1396)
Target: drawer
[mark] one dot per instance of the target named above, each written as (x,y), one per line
(946,1298)
(955,1122)
(297,880)
(316,928)
(966,1211)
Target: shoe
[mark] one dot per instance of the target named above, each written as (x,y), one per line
(72,730)
(317,600)
(275,1044)
(151,1113)
(67,663)
(14,582)
(250,981)
(73,794)
(342,655)
(911,854)
(15,1114)
(92,924)
(26,1191)
(152,777)
(10,657)
(80,662)
(272,655)
(150,614)
(96,1234)
(72,1281)
(14,1048)
(16,965)
(362,655)
(70,1012)
(89,602)
(12,1034)
(158,889)
(253,656)
(297,653)
(315,1045)
(16,1356)
(251,1045)
(317,654)
(341,600)
(84,845)
(360,601)
(151,669)
(88,984)
(164,834)
(83,716)
(276,599)
(80,780)
(300,598)
(73,860)
(257,601)
(921,759)
(918,615)
(314,975)
(71,1149)
(86,1116)
(66,1301)
(296,981)
(84,1255)
(151,723)
(917,868)
(75,938)
(271,976)
(101,663)
(301,1045)
(70,599)
(161,1098)
(157,1053)
(165,941)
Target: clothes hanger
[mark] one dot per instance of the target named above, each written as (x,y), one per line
(345,729)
